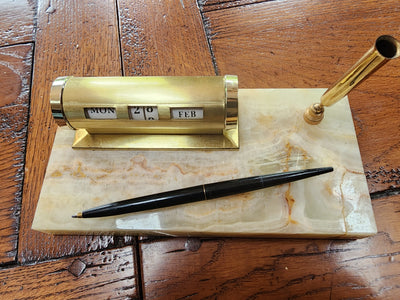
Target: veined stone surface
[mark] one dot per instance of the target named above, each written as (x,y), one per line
(273,138)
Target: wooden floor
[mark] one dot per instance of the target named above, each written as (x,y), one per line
(268,44)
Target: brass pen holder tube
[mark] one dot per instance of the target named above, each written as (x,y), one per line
(386,48)
(152,112)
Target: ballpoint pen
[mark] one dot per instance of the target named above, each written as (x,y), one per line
(199,193)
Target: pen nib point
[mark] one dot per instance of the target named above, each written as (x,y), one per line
(78,215)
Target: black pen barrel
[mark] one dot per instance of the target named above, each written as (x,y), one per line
(199,193)
(243,185)
(155,201)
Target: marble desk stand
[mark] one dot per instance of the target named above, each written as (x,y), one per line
(273,138)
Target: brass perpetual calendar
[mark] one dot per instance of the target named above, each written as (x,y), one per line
(159,112)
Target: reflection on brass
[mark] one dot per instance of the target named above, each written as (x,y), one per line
(56,100)
(314,114)
(159,112)
(386,47)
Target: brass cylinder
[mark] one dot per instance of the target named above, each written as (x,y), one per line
(385,48)
(147,105)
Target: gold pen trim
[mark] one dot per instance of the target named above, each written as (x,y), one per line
(204,192)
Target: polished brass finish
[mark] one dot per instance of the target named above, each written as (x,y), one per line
(314,114)
(56,93)
(156,141)
(171,101)
(386,47)
(231,95)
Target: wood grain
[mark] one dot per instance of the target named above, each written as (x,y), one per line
(290,43)
(163,38)
(17,23)
(210,5)
(98,275)
(278,44)
(278,268)
(73,38)
(15,70)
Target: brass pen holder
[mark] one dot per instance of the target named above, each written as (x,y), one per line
(160,112)
(386,48)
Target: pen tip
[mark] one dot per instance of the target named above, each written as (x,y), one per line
(78,215)
(326,170)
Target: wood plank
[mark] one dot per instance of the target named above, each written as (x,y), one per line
(106,275)
(17,21)
(15,70)
(305,43)
(73,38)
(278,268)
(210,5)
(163,38)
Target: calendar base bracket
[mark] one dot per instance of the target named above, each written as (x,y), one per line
(228,140)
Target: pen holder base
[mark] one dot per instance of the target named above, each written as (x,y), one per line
(274,138)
